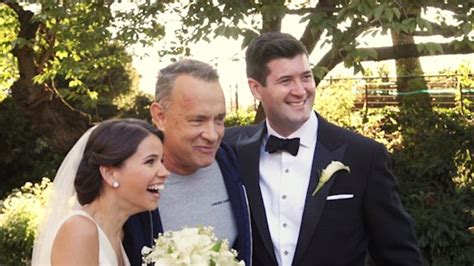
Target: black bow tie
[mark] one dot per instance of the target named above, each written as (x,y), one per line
(290,145)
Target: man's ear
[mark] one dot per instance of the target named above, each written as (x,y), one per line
(107,173)
(157,113)
(255,88)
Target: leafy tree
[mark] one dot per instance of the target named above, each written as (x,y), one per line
(409,70)
(67,55)
(57,37)
(335,26)
(25,154)
(8,72)
(63,69)
(338,23)
(382,70)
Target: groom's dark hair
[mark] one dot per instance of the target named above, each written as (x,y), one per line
(110,144)
(267,47)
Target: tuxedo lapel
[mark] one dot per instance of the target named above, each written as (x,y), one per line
(248,153)
(328,149)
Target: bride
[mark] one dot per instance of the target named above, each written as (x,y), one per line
(113,171)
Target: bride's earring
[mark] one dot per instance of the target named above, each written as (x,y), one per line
(115,184)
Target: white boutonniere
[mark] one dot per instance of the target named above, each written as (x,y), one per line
(327,172)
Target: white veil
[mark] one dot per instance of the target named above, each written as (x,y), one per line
(61,202)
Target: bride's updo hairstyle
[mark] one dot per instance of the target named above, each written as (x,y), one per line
(110,144)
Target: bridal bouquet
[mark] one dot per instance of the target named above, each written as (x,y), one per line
(190,246)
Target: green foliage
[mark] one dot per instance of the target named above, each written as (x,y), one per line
(341,29)
(380,125)
(136,106)
(335,103)
(8,30)
(437,178)
(24,155)
(100,92)
(74,34)
(79,51)
(464,70)
(432,155)
(382,70)
(95,78)
(20,214)
(239,118)
(140,23)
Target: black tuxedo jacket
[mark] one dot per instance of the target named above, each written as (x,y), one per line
(335,232)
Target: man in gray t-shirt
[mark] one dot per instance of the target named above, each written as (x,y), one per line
(190,109)
(206,203)
(204,188)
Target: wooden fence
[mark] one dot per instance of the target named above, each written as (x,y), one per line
(444,91)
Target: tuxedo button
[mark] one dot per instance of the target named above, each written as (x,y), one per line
(283,197)
(287,171)
(285,252)
(285,225)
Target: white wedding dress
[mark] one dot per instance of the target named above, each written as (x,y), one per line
(62,204)
(107,254)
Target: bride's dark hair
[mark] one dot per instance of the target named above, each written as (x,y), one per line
(110,144)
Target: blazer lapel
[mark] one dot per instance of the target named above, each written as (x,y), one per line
(248,151)
(328,149)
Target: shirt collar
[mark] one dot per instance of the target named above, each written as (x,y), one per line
(306,133)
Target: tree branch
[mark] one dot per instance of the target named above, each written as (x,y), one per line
(332,58)
(445,31)
(42,104)
(269,21)
(449,6)
(13,5)
(28,29)
(408,51)
(318,8)
(310,36)
(48,53)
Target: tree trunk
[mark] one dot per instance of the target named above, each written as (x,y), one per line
(50,114)
(42,104)
(410,77)
(269,23)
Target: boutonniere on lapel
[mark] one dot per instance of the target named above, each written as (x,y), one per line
(327,172)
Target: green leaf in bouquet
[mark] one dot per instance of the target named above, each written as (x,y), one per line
(217,246)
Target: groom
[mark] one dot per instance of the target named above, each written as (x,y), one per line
(281,159)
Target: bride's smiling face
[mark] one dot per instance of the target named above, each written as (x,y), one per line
(142,176)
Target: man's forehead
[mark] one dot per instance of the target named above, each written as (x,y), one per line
(288,66)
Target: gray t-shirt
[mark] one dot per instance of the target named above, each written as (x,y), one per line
(199,199)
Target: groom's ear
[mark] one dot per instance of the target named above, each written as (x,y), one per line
(157,112)
(255,88)
(107,173)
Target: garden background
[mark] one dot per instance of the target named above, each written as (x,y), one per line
(68,64)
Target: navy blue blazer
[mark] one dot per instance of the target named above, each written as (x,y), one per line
(141,229)
(335,232)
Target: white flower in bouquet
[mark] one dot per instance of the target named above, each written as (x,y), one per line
(190,246)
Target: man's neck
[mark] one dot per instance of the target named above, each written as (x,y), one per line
(179,169)
(283,131)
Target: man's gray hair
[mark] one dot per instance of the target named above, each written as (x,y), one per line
(168,75)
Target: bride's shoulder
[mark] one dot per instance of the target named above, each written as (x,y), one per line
(79,225)
(79,229)
(77,237)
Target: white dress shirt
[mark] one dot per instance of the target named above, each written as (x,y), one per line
(284,181)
